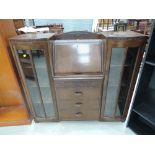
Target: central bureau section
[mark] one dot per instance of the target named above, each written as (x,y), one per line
(78,98)
(78,78)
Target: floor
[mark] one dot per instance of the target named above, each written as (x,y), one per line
(69,128)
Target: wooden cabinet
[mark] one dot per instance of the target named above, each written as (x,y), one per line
(13,110)
(78,75)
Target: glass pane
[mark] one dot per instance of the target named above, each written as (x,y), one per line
(116,65)
(118,113)
(43,81)
(26,63)
(114,75)
(111,100)
(126,78)
(48,101)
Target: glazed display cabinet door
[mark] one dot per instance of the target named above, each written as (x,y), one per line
(122,63)
(33,64)
(116,66)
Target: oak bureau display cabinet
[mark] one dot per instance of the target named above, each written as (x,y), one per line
(78,75)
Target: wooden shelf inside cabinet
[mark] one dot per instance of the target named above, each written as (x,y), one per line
(42,84)
(27,66)
(26,61)
(38,67)
(150,62)
(146,111)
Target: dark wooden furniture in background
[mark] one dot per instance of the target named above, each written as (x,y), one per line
(19,23)
(13,110)
(137,22)
(140,25)
(142,116)
(78,75)
(53,28)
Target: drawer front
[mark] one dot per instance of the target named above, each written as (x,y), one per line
(75,114)
(78,96)
(79,104)
(78,89)
(78,93)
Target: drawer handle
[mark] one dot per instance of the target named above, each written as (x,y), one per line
(78,93)
(78,73)
(78,114)
(78,104)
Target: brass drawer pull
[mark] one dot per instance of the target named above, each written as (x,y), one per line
(78,73)
(78,104)
(78,93)
(78,114)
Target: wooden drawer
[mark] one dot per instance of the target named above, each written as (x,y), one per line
(78,89)
(77,56)
(79,104)
(78,99)
(75,114)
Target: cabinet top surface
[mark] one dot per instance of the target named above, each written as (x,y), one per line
(32,36)
(47,36)
(125,34)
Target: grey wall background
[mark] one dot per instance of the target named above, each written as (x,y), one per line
(69,24)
